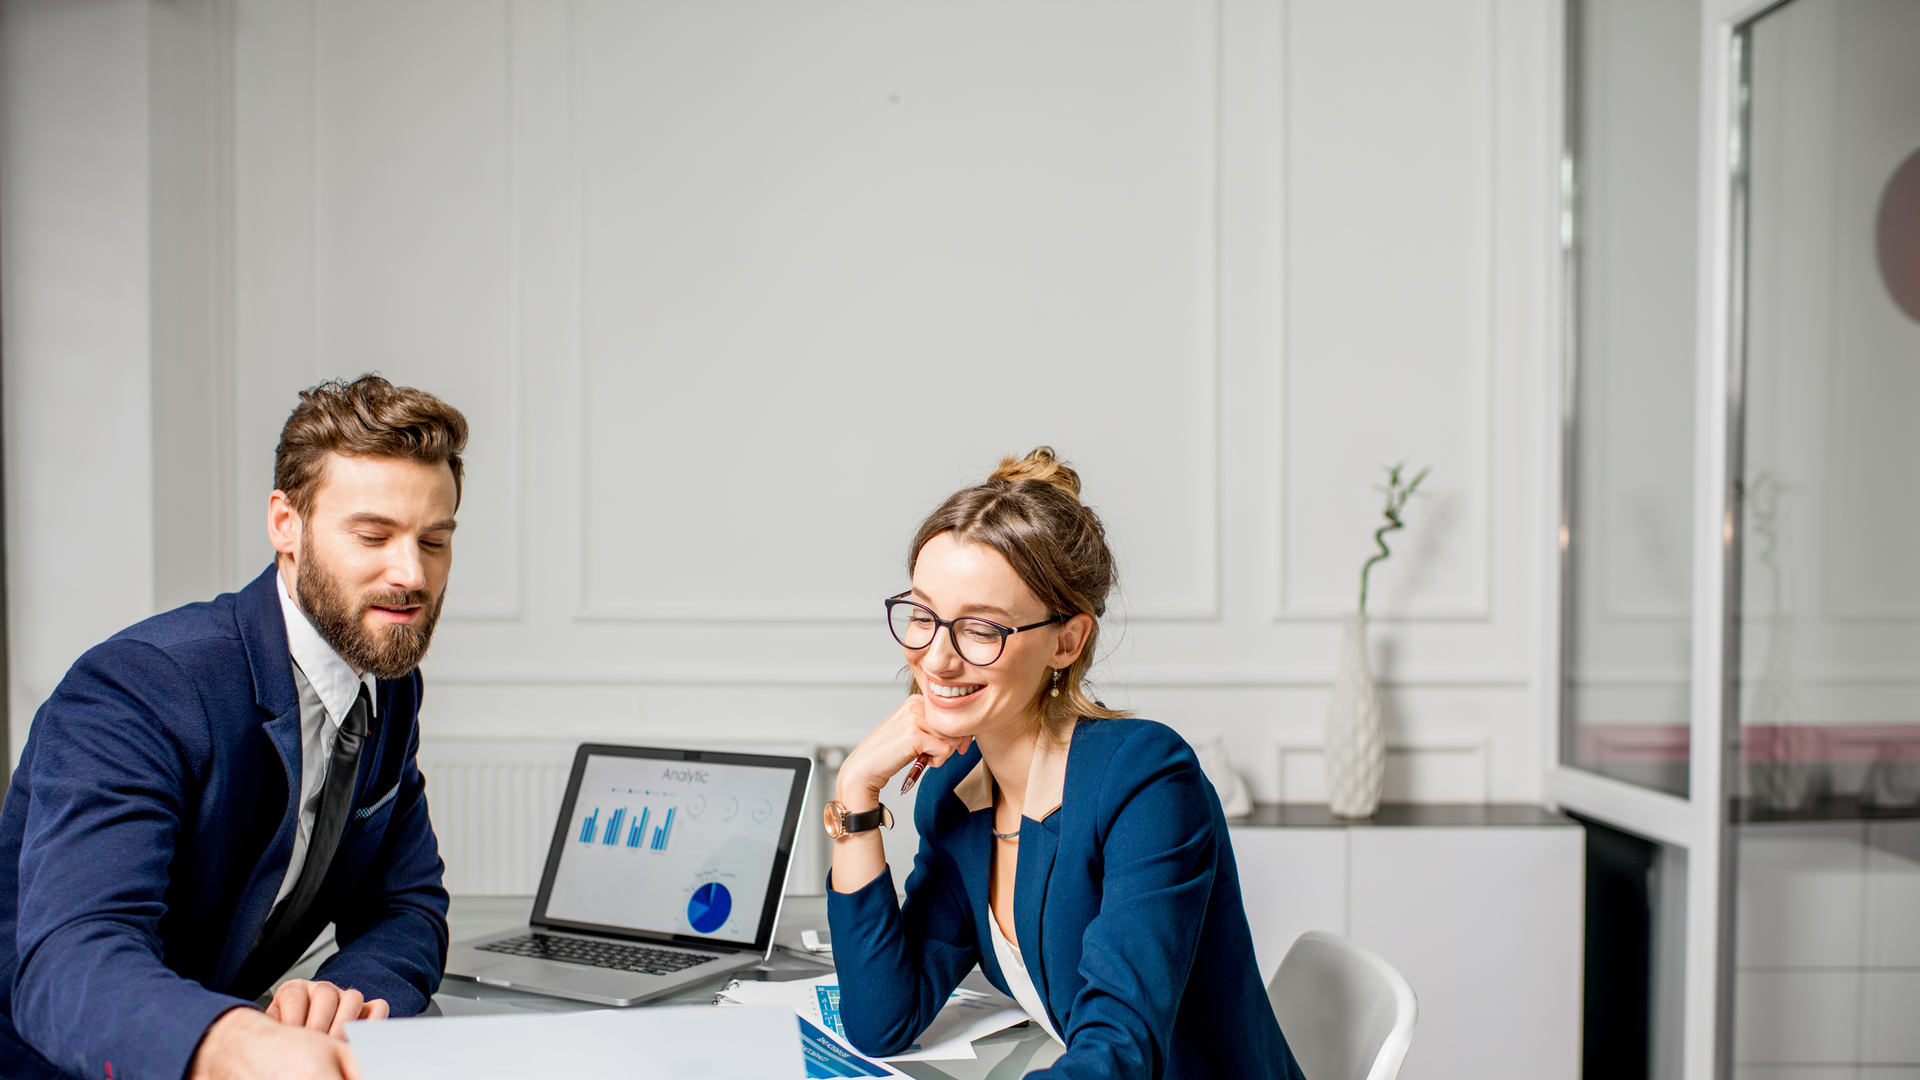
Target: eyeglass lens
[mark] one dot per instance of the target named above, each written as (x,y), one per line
(979,642)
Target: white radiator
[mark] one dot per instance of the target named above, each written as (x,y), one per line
(494,803)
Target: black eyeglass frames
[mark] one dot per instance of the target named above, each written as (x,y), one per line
(978,641)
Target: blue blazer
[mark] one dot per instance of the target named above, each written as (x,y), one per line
(1126,906)
(150,824)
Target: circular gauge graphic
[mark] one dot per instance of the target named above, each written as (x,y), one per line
(733,807)
(763,811)
(710,906)
(696,805)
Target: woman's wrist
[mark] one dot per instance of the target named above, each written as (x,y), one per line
(857,796)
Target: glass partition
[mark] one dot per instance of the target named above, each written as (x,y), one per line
(1627,536)
(1826,811)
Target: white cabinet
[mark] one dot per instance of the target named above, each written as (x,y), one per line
(1480,907)
(1291,881)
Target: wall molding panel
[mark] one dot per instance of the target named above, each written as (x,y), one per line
(733,296)
(913,127)
(1364,178)
(416,208)
(1436,764)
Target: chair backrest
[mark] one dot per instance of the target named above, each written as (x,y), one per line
(1346,1013)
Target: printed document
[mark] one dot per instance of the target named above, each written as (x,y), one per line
(969,1014)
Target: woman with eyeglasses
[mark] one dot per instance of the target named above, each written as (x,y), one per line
(1077,855)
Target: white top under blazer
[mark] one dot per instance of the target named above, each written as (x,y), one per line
(1013,968)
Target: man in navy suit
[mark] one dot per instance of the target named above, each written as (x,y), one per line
(206,790)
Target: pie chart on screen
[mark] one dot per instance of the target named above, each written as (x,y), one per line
(710,906)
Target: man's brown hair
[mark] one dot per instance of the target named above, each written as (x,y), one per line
(368,417)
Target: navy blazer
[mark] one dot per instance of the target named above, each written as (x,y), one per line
(150,824)
(1126,906)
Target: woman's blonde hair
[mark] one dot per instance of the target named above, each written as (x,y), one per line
(1030,512)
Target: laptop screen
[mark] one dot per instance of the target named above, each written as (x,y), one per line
(688,843)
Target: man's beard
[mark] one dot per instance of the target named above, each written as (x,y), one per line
(389,652)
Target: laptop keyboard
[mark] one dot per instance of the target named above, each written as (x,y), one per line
(596,953)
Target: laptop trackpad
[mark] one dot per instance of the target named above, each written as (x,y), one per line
(513,970)
(597,982)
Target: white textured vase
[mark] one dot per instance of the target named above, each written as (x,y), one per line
(1356,736)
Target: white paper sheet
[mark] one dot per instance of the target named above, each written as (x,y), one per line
(968,1015)
(752,1043)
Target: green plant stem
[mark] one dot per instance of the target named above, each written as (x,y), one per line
(1380,538)
(1397,496)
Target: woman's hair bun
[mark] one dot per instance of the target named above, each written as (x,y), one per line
(1041,465)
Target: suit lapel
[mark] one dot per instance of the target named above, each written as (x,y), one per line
(966,841)
(972,852)
(1039,843)
(263,631)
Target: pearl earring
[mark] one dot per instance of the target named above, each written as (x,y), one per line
(1056,683)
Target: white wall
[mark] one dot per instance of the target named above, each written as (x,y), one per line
(76,292)
(733,294)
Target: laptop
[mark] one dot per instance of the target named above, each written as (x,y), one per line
(667,868)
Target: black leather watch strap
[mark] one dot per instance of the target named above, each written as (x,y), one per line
(869,820)
(840,822)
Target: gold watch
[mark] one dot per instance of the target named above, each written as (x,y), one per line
(841,822)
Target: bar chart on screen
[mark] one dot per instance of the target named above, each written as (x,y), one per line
(636,836)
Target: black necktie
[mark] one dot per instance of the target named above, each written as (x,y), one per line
(329,822)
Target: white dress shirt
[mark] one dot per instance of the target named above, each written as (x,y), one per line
(334,682)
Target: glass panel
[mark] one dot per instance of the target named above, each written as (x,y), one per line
(1827,954)
(1629,565)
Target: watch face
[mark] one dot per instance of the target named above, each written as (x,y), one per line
(836,814)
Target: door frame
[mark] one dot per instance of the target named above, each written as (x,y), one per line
(1699,823)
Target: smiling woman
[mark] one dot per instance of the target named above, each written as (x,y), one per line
(1077,855)
(1029,513)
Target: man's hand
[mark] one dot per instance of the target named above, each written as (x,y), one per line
(245,1045)
(322,1006)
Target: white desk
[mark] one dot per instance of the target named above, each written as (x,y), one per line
(1010,1053)
(1481,906)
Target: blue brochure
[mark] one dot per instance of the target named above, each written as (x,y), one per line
(825,1057)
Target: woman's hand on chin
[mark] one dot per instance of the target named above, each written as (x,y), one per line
(887,749)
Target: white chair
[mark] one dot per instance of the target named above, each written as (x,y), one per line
(1347,1014)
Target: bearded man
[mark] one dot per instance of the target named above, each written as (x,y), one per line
(208,789)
